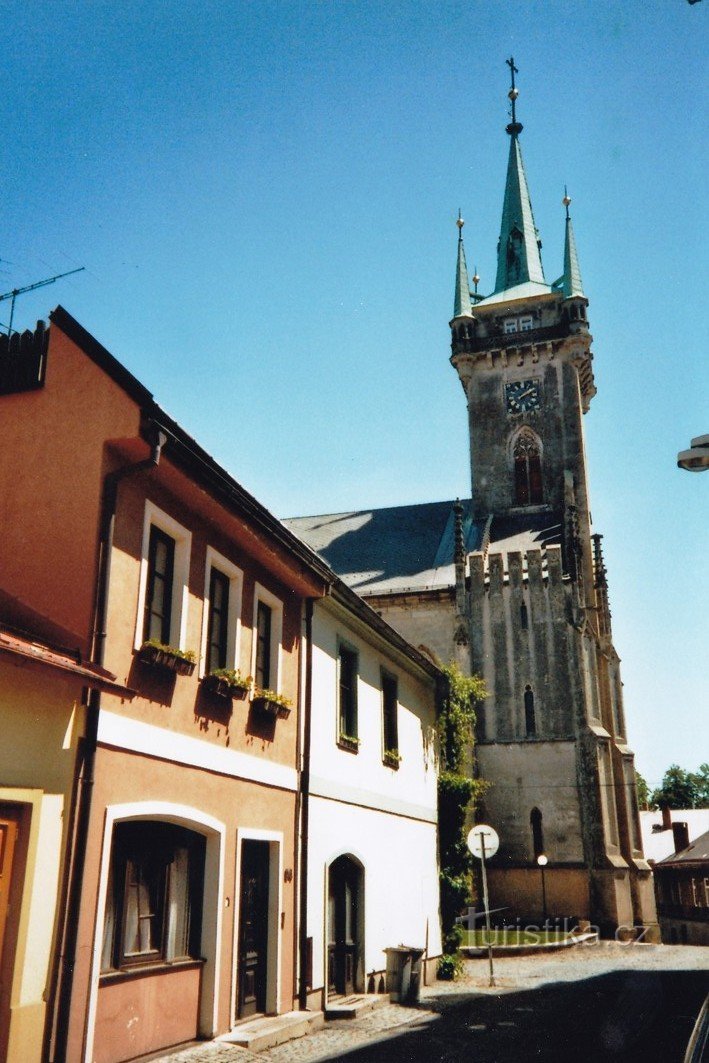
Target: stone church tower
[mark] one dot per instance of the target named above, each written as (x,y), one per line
(511,584)
(552,736)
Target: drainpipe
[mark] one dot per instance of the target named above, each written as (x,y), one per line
(305,809)
(63,978)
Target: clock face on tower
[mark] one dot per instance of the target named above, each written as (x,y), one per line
(522,396)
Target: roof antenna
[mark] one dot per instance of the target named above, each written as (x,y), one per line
(30,288)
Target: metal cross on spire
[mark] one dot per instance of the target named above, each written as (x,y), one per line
(514,127)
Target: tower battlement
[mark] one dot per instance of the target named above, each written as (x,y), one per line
(493,572)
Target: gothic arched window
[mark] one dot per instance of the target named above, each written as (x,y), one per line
(535,819)
(530,722)
(527,469)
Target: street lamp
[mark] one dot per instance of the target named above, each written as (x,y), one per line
(696,459)
(542,861)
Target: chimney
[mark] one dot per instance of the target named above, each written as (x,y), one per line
(666,818)
(680,833)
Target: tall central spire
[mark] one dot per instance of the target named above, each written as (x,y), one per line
(518,251)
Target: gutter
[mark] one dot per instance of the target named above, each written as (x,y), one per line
(61,991)
(304,795)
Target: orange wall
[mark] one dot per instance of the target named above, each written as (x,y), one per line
(143,1014)
(50,483)
(178,703)
(124,777)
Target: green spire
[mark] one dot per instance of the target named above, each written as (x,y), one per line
(571,283)
(518,250)
(462,306)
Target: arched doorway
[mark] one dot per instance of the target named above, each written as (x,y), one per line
(345,926)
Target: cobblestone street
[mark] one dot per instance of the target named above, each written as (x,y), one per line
(624,1002)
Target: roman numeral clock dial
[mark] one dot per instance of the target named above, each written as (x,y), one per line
(522,396)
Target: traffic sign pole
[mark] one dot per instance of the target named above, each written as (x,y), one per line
(483,841)
(487,910)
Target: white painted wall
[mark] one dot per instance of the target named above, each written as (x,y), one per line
(385,818)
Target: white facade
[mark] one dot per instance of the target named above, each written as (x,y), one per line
(372,854)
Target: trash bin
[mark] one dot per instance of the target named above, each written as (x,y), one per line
(404,973)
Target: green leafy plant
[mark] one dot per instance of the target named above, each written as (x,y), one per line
(273,697)
(173,651)
(457,790)
(450,965)
(233,677)
(351,740)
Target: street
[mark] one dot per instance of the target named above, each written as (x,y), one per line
(608,1001)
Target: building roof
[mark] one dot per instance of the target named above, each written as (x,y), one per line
(658,843)
(696,852)
(411,548)
(571,279)
(462,305)
(188,454)
(518,252)
(92,675)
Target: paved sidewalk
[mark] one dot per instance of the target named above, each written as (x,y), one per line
(612,986)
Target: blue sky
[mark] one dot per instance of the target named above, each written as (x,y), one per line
(264,194)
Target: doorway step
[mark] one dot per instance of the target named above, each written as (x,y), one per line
(355,1005)
(267,1031)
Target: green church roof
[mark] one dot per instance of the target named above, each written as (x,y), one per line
(462,306)
(518,251)
(571,280)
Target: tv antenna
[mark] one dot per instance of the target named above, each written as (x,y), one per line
(30,288)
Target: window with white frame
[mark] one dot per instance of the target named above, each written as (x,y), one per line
(221,620)
(348,671)
(164,574)
(154,896)
(390,713)
(267,638)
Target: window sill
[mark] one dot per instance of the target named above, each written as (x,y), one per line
(143,970)
(351,745)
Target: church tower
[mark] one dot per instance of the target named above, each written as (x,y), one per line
(552,739)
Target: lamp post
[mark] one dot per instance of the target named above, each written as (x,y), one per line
(542,861)
(696,459)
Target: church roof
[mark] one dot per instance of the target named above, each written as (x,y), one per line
(518,252)
(462,304)
(571,280)
(411,548)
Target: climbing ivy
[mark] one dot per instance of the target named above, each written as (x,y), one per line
(456,792)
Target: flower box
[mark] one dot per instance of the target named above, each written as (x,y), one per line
(272,704)
(227,685)
(392,758)
(348,742)
(170,659)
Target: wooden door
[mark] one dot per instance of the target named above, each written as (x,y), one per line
(253,929)
(343,925)
(9,836)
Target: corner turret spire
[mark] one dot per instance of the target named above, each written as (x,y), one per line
(518,251)
(462,306)
(571,283)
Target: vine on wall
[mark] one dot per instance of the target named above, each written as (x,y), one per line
(457,791)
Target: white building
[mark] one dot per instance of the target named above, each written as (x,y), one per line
(371,803)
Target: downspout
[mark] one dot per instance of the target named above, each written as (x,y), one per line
(305,810)
(64,970)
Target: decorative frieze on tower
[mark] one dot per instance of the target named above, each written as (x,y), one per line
(551,735)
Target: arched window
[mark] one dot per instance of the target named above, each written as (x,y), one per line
(527,469)
(535,819)
(530,722)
